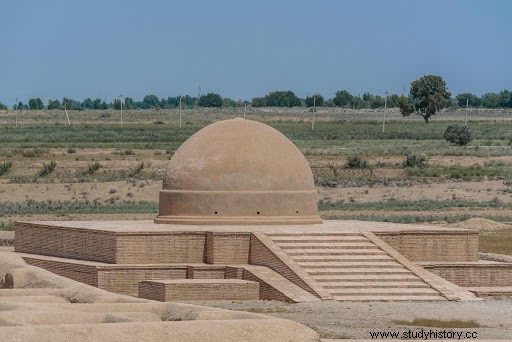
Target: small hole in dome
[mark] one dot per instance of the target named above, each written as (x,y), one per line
(215,213)
(297,212)
(258,212)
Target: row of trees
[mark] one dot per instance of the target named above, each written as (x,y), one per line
(341,98)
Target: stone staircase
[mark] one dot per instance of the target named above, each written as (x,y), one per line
(352,268)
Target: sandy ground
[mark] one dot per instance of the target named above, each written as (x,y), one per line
(344,320)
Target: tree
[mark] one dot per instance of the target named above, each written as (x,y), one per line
(469,99)
(282,99)
(317,100)
(2,106)
(342,98)
(259,102)
(150,101)
(210,100)
(35,104)
(458,134)
(428,95)
(53,104)
(70,104)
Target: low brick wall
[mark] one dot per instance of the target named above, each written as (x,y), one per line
(474,274)
(440,246)
(86,274)
(199,289)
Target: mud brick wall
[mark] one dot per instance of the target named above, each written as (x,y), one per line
(65,242)
(177,247)
(227,248)
(126,280)
(474,275)
(83,273)
(205,272)
(437,246)
(230,289)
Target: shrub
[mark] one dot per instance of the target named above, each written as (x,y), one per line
(71,150)
(5,167)
(48,168)
(137,170)
(415,160)
(356,162)
(92,169)
(458,134)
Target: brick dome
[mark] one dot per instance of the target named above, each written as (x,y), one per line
(238,172)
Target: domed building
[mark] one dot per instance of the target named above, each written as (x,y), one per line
(238,172)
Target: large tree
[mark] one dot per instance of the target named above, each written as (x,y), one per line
(210,100)
(282,99)
(35,104)
(428,95)
(342,98)
(317,100)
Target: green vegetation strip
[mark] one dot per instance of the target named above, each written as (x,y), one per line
(31,207)
(416,218)
(437,323)
(422,205)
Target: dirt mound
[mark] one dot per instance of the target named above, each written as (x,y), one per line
(482,224)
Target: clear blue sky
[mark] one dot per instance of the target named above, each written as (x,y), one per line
(243,49)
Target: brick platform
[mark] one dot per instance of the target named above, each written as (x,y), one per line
(167,290)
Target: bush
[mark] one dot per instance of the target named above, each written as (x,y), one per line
(71,150)
(92,169)
(356,162)
(47,168)
(5,167)
(415,160)
(458,134)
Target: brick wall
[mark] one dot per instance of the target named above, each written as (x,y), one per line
(83,273)
(65,242)
(227,248)
(474,275)
(445,246)
(174,247)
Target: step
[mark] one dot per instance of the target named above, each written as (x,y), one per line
(342,258)
(384,292)
(321,252)
(387,298)
(272,235)
(374,284)
(328,246)
(318,239)
(352,264)
(357,271)
(366,278)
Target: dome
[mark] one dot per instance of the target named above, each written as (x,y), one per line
(238,172)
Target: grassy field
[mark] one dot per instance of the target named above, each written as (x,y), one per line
(98,167)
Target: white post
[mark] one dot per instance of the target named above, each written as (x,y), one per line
(245,108)
(385,108)
(180,110)
(314,110)
(467,105)
(67,117)
(121,100)
(16,111)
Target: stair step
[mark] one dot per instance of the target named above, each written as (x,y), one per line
(318,239)
(321,252)
(384,292)
(366,278)
(272,235)
(386,298)
(342,258)
(327,245)
(307,265)
(374,284)
(357,271)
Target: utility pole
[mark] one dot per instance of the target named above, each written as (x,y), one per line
(314,110)
(16,111)
(180,111)
(385,108)
(245,108)
(467,105)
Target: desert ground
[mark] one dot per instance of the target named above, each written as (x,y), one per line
(98,169)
